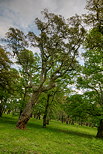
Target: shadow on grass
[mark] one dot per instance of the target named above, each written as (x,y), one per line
(11,121)
(57,130)
(8,120)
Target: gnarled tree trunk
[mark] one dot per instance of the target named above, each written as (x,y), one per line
(26,114)
(100,130)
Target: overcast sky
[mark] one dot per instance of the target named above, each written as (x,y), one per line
(22,13)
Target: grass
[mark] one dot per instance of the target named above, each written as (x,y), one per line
(57,138)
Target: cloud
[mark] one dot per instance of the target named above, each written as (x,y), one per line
(22,13)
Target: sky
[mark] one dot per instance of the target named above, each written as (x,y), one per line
(22,13)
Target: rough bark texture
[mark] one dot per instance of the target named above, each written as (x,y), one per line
(100,130)
(26,114)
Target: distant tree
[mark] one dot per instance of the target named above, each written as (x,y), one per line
(75,107)
(50,103)
(8,78)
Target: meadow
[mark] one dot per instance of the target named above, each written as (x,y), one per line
(57,138)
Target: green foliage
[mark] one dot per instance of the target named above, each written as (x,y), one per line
(91,76)
(16,40)
(8,79)
(54,65)
(58,43)
(94,17)
(94,40)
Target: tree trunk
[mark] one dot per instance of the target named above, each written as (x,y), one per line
(46,112)
(39,115)
(100,130)
(62,119)
(67,120)
(47,122)
(44,121)
(26,114)
(1,109)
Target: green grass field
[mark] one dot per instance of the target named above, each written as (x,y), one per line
(57,138)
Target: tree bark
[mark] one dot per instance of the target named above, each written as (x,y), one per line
(26,114)
(100,130)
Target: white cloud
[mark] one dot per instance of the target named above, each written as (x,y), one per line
(22,13)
